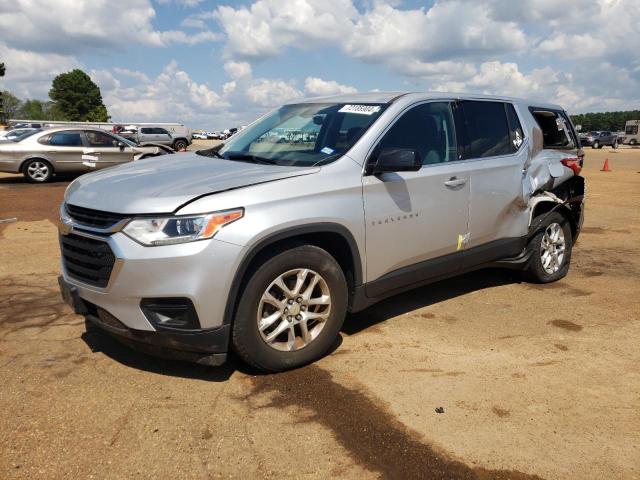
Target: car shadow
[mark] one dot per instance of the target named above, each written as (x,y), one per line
(18,179)
(428,295)
(99,341)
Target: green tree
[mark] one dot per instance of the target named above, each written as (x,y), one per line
(2,113)
(98,114)
(12,104)
(77,97)
(34,110)
(613,121)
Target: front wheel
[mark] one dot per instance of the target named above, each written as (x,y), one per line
(614,145)
(291,310)
(550,249)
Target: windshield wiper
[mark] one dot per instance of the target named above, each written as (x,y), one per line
(243,157)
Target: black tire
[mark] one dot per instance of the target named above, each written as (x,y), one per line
(180,144)
(633,142)
(246,338)
(37,170)
(535,271)
(595,145)
(614,145)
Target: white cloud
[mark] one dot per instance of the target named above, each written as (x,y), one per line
(184,3)
(270,93)
(237,69)
(74,26)
(314,86)
(172,96)
(30,73)
(267,27)
(451,29)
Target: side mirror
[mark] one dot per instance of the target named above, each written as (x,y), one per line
(397,160)
(121,146)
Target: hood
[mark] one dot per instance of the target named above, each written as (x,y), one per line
(162,184)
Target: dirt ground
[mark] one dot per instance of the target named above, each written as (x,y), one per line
(535,381)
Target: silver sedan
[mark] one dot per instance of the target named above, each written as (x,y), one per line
(42,153)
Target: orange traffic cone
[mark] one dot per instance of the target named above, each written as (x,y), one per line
(605,166)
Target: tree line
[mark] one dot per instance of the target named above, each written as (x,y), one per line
(73,97)
(613,121)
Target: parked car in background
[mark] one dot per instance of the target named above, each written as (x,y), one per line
(199,135)
(16,133)
(631,134)
(159,135)
(14,126)
(39,155)
(264,247)
(599,139)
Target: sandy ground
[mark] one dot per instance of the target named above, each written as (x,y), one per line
(535,381)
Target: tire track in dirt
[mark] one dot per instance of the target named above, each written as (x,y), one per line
(370,434)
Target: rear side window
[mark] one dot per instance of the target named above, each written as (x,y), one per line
(146,130)
(160,131)
(487,129)
(65,139)
(515,129)
(556,129)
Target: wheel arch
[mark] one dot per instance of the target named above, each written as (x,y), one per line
(546,207)
(336,239)
(23,163)
(178,139)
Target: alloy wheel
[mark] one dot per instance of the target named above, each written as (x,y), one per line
(294,309)
(552,248)
(38,171)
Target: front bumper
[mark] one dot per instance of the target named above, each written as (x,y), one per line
(206,347)
(200,272)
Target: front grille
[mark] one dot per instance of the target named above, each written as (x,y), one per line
(86,259)
(93,218)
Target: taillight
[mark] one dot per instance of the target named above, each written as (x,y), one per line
(574,163)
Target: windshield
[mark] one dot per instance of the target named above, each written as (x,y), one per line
(126,141)
(302,134)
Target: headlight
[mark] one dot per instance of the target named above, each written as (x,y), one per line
(179,229)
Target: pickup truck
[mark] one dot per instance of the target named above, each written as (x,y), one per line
(599,139)
(158,135)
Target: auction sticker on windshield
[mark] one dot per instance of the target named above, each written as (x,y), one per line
(361,109)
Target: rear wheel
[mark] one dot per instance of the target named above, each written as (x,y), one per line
(550,249)
(180,145)
(291,310)
(633,142)
(596,144)
(614,145)
(37,170)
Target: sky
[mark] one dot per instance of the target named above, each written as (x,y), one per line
(217,64)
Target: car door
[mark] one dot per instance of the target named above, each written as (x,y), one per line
(161,135)
(104,150)
(416,221)
(64,149)
(495,149)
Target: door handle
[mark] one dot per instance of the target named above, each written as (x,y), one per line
(455,182)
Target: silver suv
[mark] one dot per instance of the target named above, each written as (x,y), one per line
(263,247)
